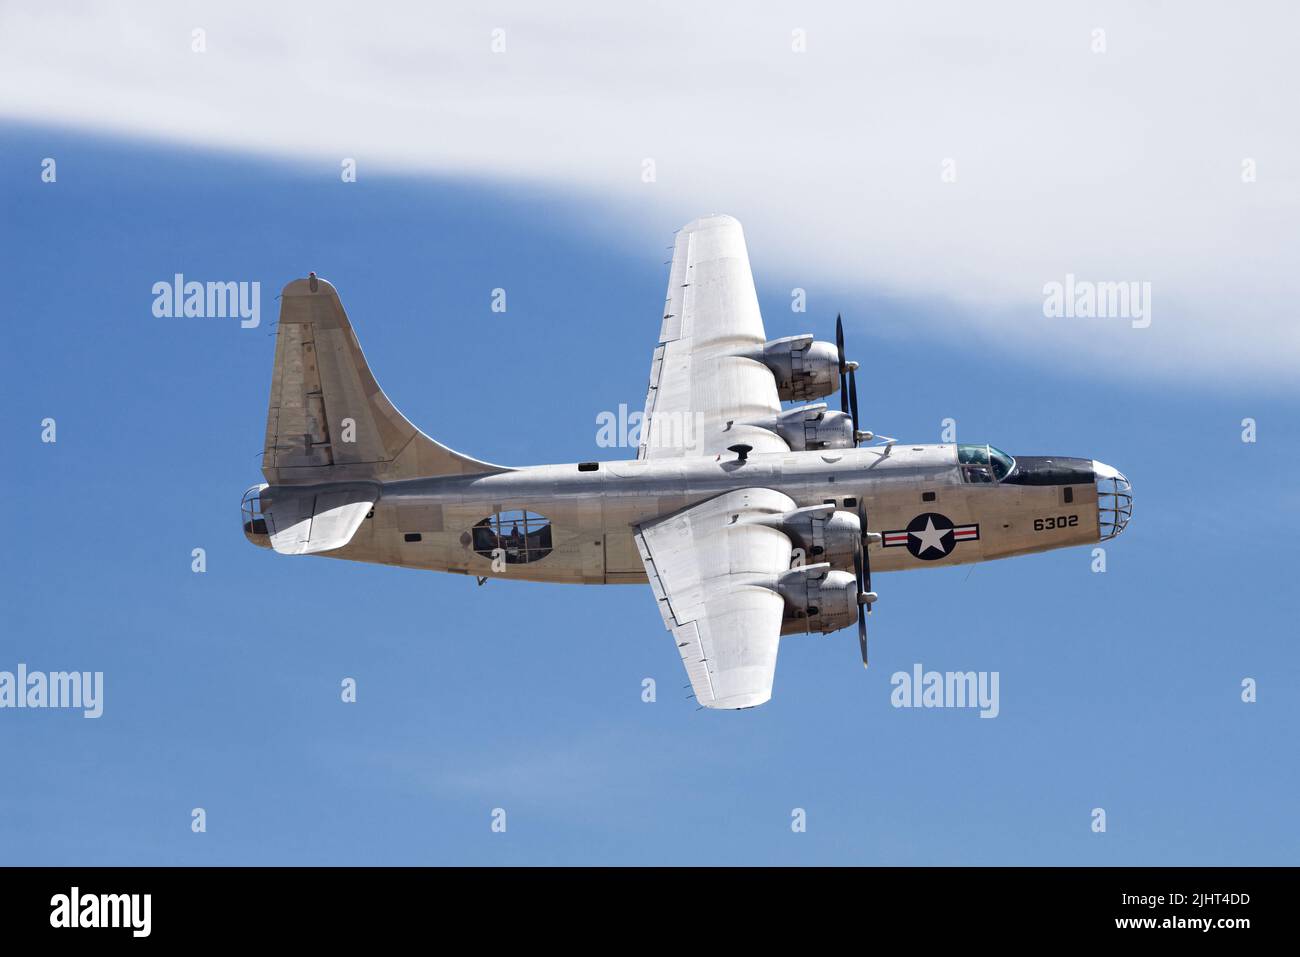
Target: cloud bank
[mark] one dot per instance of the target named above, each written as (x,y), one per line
(962,156)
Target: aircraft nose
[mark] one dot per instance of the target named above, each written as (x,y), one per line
(1114,499)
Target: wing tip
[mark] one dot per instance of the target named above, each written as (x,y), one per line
(738,702)
(711,221)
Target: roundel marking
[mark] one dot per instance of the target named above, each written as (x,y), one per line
(931,536)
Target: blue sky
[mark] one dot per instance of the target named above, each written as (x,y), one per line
(1118,690)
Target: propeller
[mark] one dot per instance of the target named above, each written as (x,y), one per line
(844,383)
(862,569)
(862,616)
(849,385)
(861,557)
(849,389)
(853,403)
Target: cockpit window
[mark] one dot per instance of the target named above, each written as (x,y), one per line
(1002,463)
(522,536)
(983,464)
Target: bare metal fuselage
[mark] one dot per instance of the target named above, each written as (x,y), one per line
(593,511)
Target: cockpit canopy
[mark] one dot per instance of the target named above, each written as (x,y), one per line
(983,463)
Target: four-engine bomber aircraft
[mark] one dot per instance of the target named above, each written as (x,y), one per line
(748,519)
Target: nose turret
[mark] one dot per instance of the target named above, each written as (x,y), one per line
(1114,499)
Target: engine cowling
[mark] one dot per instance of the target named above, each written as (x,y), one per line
(803,369)
(818,598)
(822,533)
(811,428)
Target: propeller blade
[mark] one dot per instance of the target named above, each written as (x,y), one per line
(839,340)
(853,400)
(866,555)
(844,379)
(862,635)
(864,607)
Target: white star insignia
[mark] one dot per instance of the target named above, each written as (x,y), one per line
(930,537)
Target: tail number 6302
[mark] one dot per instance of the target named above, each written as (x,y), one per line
(1060,521)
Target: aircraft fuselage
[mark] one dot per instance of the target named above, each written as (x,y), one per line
(915,496)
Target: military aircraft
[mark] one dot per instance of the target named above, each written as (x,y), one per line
(749,519)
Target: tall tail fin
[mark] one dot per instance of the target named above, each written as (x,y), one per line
(329,420)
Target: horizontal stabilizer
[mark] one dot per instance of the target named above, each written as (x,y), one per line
(305,520)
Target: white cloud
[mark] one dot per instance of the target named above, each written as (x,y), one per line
(1112,166)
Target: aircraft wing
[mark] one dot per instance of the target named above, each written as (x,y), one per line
(699,389)
(711,573)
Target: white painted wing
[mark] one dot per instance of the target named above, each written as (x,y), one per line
(713,577)
(697,383)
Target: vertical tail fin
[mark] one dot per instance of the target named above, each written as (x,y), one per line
(328,419)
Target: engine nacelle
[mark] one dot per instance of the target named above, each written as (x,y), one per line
(803,369)
(817,598)
(811,428)
(821,533)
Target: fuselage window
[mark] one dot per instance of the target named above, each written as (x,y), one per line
(522,536)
